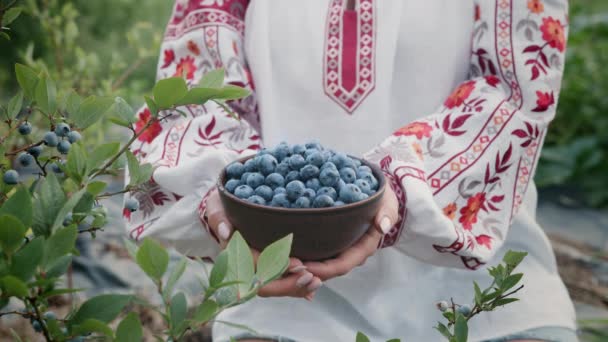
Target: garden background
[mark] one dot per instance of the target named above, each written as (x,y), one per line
(110,47)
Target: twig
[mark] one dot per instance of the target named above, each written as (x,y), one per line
(90,230)
(110,194)
(125,75)
(24,148)
(23,314)
(42,168)
(32,301)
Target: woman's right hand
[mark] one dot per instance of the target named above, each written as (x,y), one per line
(296,282)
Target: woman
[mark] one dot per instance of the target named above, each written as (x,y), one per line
(451,98)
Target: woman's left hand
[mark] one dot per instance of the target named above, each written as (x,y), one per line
(357,254)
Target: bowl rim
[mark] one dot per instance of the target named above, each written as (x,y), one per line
(375,169)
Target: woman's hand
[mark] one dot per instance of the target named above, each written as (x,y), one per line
(356,255)
(296,282)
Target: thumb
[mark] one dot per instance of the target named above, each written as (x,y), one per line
(388,214)
(218,222)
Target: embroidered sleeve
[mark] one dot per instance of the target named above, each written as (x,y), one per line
(187,153)
(461,173)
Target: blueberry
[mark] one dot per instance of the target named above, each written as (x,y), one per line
(349,193)
(50,139)
(64,147)
(313,144)
(349,162)
(464,309)
(250,165)
(338,159)
(243,191)
(310,193)
(36,325)
(282,151)
(25,159)
(62,129)
(231,185)
(317,159)
(313,183)
(329,176)
(68,219)
(329,191)
(338,203)
(25,128)
(357,162)
(363,169)
(56,168)
(302,202)
(348,175)
(265,192)
(362,196)
(364,186)
(255,179)
(328,165)
(73,137)
(49,315)
(298,149)
(323,201)
(295,189)
(235,170)
(280,200)
(35,151)
(267,163)
(132,204)
(291,176)
(296,162)
(283,168)
(264,151)
(339,185)
(373,182)
(275,180)
(308,172)
(256,200)
(280,190)
(11,177)
(442,305)
(309,152)
(245,176)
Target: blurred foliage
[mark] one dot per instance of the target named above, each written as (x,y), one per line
(576,149)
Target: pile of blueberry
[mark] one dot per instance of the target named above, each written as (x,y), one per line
(62,139)
(300,176)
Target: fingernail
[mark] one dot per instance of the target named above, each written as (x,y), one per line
(223,231)
(297,269)
(310,297)
(385,224)
(304,280)
(314,286)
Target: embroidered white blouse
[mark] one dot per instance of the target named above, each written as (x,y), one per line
(451,98)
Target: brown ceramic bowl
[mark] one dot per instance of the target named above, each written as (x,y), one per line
(318,233)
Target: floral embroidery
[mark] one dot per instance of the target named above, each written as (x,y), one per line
(186,68)
(169,58)
(484,240)
(468,214)
(419,129)
(192,47)
(450,210)
(553,33)
(492,81)
(477,12)
(536,6)
(126,213)
(153,131)
(418,150)
(462,93)
(543,101)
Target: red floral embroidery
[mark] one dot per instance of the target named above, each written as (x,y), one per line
(536,6)
(169,58)
(126,213)
(418,150)
(460,95)
(553,33)
(468,214)
(450,210)
(419,129)
(185,67)
(492,80)
(484,240)
(477,12)
(193,48)
(543,101)
(153,131)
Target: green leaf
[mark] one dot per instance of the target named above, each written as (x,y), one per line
(138,174)
(274,260)
(393,340)
(490,296)
(59,266)
(174,276)
(60,243)
(76,166)
(227,109)
(27,259)
(511,281)
(14,105)
(20,206)
(505,301)
(122,111)
(145,173)
(48,201)
(5,35)
(205,311)
(240,263)
(198,96)
(131,248)
(212,79)
(152,258)
(478,294)
(91,110)
(129,329)
(72,102)
(100,154)
(168,91)
(92,326)
(13,286)
(152,106)
(443,330)
(179,308)
(95,188)
(449,315)
(512,258)
(232,92)
(59,292)
(10,15)
(461,328)
(218,272)
(104,308)
(12,233)
(27,79)
(67,208)
(46,95)
(361,337)
(85,204)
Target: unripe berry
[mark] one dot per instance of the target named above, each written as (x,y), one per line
(11,177)
(442,305)
(25,128)
(464,309)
